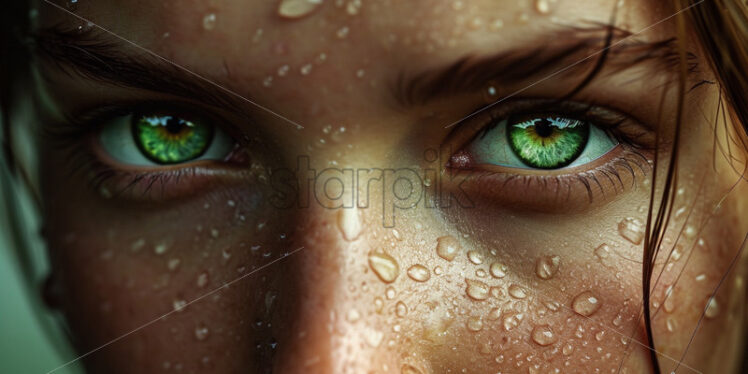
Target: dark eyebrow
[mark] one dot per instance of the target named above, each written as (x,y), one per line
(472,74)
(98,56)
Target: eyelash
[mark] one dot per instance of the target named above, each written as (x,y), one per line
(76,136)
(634,153)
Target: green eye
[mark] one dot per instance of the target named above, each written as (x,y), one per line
(151,140)
(542,142)
(170,140)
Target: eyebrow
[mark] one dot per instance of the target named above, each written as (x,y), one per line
(570,52)
(97,56)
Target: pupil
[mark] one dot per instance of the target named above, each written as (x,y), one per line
(544,128)
(174,126)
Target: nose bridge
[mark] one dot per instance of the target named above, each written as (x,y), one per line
(334,324)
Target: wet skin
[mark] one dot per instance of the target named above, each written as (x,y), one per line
(336,302)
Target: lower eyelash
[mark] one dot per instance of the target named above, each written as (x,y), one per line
(622,173)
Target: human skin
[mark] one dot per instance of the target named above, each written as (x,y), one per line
(323,308)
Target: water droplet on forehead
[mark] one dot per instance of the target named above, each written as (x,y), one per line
(293,9)
(586,303)
(631,229)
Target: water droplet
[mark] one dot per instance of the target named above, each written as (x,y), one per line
(567,349)
(214,233)
(689,232)
(137,245)
(268,81)
(306,69)
(497,270)
(671,324)
(517,292)
(543,335)
(209,21)
(353,315)
(349,223)
(543,6)
(342,32)
(586,303)
(293,9)
(547,266)
(496,25)
(712,308)
(512,320)
(494,314)
(480,273)
(552,305)
(384,266)
(378,305)
(179,305)
(408,369)
(160,249)
(373,337)
(401,309)
(447,247)
(283,70)
(438,270)
(600,335)
(676,253)
(360,73)
(602,252)
(700,277)
(476,289)
(202,280)
(201,332)
(631,229)
(390,293)
(458,5)
(475,257)
(419,273)
(173,264)
(669,303)
(474,323)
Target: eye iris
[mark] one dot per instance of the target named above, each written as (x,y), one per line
(170,140)
(548,143)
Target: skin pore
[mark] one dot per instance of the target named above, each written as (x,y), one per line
(546,272)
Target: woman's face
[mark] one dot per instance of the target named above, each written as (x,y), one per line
(317,178)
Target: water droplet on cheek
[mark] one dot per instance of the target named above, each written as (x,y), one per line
(512,320)
(585,304)
(384,265)
(408,369)
(401,310)
(419,273)
(543,335)
(517,292)
(475,257)
(631,229)
(476,290)
(474,324)
(543,6)
(498,270)
(546,267)
(712,308)
(447,247)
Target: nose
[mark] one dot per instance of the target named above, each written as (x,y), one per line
(332,323)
